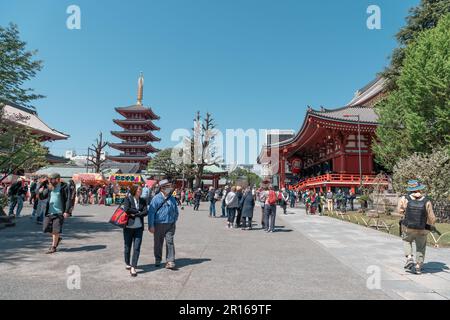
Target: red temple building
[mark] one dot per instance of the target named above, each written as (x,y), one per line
(137,133)
(331,150)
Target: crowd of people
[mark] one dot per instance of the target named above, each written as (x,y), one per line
(53,201)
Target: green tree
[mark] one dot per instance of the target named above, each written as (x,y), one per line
(165,163)
(238,174)
(423,17)
(19,149)
(416,116)
(17,65)
(433,170)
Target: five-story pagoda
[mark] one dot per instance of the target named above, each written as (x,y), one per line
(137,132)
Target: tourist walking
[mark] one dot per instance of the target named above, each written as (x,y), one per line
(262,197)
(292,198)
(33,190)
(224,205)
(56,210)
(284,200)
(232,203)
(418,220)
(212,202)
(330,204)
(197,199)
(146,194)
(162,218)
(247,205)
(351,199)
(239,195)
(135,207)
(16,197)
(270,210)
(42,199)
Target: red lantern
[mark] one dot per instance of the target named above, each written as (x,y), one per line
(296,165)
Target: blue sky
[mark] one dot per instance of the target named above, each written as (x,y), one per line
(251,63)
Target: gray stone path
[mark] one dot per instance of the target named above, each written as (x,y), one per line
(214,262)
(359,248)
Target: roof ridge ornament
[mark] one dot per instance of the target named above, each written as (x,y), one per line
(140,94)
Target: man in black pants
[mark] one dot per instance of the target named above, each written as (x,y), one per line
(197,199)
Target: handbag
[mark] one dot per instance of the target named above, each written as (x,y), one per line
(119,218)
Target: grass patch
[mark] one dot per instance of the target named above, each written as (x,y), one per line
(390,224)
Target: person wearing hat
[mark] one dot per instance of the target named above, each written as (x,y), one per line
(162,218)
(418,217)
(58,208)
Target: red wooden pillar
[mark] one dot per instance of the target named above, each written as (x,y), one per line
(283,169)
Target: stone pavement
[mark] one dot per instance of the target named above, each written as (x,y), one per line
(359,248)
(214,262)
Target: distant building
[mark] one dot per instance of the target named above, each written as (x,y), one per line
(81,159)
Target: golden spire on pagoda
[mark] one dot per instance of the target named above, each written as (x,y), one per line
(140,89)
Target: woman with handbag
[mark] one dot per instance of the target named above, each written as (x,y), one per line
(136,210)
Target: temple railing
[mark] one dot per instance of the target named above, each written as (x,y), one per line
(340,179)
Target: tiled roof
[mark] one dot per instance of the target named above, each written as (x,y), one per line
(366,114)
(368,92)
(30,119)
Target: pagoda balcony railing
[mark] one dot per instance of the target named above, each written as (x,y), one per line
(349,179)
(132,155)
(133,143)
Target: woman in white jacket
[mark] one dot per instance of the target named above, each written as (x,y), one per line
(232,203)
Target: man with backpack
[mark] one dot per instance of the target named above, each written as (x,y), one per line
(418,220)
(270,210)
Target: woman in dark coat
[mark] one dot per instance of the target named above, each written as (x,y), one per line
(136,209)
(247,204)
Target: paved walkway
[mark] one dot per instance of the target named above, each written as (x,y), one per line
(359,248)
(214,263)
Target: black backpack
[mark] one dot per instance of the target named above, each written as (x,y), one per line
(416,214)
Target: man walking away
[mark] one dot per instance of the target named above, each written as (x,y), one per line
(197,199)
(56,210)
(212,202)
(419,218)
(270,210)
(162,218)
(292,198)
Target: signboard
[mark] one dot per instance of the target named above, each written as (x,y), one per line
(126,178)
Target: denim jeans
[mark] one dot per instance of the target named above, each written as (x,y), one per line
(132,241)
(212,208)
(224,210)
(15,201)
(41,207)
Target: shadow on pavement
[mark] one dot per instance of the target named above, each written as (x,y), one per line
(434,267)
(180,263)
(84,248)
(26,238)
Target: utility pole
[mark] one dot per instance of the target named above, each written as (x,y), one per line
(357,116)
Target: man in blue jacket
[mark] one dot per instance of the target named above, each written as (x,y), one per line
(162,218)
